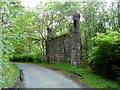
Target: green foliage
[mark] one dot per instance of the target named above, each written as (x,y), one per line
(10,76)
(22,57)
(96,17)
(106,55)
(36,57)
(8,11)
(22,31)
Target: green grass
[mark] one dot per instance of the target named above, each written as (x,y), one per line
(10,76)
(88,77)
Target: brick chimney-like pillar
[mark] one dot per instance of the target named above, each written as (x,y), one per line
(76,41)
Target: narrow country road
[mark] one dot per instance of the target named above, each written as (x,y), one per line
(40,77)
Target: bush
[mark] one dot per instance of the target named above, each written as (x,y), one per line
(37,57)
(21,58)
(14,58)
(105,59)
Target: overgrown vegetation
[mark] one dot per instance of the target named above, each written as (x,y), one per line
(8,13)
(106,55)
(38,57)
(24,34)
(9,77)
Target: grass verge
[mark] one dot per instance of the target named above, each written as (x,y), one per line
(9,76)
(86,75)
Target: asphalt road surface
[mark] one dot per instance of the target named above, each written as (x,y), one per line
(40,77)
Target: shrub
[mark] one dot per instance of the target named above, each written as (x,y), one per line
(21,58)
(14,58)
(105,58)
(36,57)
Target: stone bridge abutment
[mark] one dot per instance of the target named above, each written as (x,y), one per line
(67,47)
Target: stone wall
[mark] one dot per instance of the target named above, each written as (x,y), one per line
(65,48)
(60,49)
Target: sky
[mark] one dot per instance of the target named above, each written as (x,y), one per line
(33,3)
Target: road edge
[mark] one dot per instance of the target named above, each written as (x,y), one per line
(73,77)
(20,79)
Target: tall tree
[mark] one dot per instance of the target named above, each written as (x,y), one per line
(8,12)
